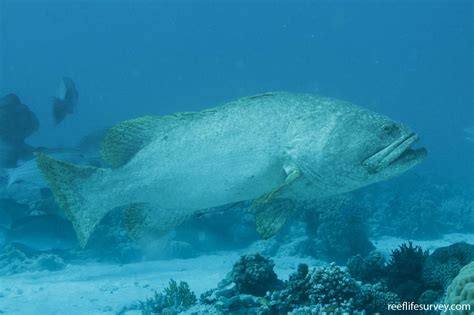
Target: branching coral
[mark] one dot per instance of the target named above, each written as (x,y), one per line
(404,271)
(179,295)
(174,299)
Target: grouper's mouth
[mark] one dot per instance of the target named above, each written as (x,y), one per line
(399,154)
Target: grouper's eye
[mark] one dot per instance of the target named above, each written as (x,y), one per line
(391,130)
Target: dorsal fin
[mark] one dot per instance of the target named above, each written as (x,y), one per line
(124,140)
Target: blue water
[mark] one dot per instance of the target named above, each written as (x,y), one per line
(411,60)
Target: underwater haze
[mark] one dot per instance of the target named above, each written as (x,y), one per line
(111,202)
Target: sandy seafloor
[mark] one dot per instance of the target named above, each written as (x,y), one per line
(106,288)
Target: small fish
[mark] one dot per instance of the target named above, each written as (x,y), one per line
(274,149)
(469,133)
(66,100)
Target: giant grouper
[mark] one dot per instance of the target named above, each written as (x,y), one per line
(273,149)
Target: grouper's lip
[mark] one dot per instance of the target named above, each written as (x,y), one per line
(399,153)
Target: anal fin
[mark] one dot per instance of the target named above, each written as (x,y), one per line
(141,219)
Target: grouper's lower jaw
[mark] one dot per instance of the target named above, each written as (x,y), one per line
(410,157)
(397,156)
(406,160)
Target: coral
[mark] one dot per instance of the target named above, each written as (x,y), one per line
(444,263)
(318,309)
(342,231)
(175,298)
(154,305)
(375,298)
(369,269)
(294,293)
(225,299)
(13,260)
(461,290)
(404,271)
(49,262)
(328,289)
(253,274)
(179,295)
(298,286)
(331,286)
(429,297)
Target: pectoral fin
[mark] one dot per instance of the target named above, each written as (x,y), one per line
(271,213)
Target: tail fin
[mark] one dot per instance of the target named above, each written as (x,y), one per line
(68,182)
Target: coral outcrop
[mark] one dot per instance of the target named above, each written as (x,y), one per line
(461,290)
(331,286)
(13,260)
(369,269)
(338,226)
(374,298)
(328,289)
(253,274)
(444,264)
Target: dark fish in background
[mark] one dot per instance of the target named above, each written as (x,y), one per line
(17,122)
(66,100)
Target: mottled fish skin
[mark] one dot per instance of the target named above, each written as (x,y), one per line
(275,148)
(241,150)
(66,100)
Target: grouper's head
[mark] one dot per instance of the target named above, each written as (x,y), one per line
(357,147)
